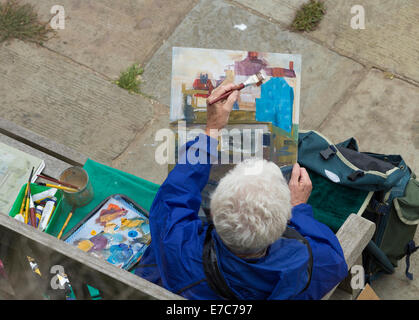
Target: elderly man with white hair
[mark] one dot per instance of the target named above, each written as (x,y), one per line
(262,241)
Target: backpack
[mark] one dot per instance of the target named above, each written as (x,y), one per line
(379,187)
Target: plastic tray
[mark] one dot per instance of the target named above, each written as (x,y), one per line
(37,189)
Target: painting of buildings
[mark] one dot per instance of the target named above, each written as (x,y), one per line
(196,72)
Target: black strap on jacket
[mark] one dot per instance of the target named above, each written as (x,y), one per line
(215,278)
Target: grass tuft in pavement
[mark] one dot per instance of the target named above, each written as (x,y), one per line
(131,78)
(20,21)
(309,16)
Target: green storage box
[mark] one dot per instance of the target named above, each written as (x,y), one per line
(37,189)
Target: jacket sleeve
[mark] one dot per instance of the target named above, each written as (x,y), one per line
(329,265)
(174,221)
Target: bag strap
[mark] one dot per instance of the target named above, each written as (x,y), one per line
(291,233)
(215,278)
(410,248)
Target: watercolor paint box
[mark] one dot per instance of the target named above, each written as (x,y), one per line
(117,230)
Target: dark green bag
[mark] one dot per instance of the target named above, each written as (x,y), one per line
(379,187)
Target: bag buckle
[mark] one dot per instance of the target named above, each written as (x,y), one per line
(327,153)
(380,207)
(356,174)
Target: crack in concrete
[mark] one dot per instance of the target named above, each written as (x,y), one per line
(165,37)
(117,159)
(78,63)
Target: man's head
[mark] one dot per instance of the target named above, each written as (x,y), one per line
(251,206)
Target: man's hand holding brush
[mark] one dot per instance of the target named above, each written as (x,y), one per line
(219,112)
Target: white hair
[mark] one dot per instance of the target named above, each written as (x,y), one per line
(250,208)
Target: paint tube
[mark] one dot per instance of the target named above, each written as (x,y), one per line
(20,218)
(47,213)
(44,201)
(44,194)
(38,214)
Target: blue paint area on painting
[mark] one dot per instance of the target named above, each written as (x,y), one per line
(132,234)
(275,103)
(236,106)
(119,253)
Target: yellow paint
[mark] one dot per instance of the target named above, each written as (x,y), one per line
(93,232)
(125,223)
(85,245)
(110,227)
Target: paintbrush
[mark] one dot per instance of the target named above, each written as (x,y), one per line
(22,206)
(32,210)
(66,184)
(57,187)
(257,79)
(66,223)
(28,195)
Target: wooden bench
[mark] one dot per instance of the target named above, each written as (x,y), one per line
(17,241)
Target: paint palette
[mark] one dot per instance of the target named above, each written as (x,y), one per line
(117,230)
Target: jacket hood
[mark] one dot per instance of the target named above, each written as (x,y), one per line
(280,274)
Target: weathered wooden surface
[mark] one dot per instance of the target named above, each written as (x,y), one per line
(353,236)
(81,267)
(53,166)
(39,143)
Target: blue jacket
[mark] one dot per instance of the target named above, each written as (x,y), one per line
(174,257)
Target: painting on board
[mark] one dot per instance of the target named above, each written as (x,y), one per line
(237,142)
(118,232)
(196,72)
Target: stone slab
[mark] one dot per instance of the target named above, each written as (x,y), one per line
(383,115)
(389,40)
(211,25)
(109,36)
(67,103)
(139,156)
(282,11)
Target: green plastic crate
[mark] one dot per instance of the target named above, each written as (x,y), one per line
(37,189)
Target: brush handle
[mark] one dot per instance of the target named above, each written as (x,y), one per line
(57,187)
(33,217)
(65,225)
(22,206)
(66,184)
(226,94)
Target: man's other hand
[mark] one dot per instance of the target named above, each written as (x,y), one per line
(300,185)
(219,112)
